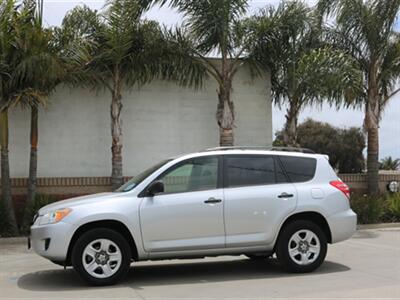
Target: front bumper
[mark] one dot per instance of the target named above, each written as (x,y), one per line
(52,241)
(343,225)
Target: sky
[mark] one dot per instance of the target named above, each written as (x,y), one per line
(54,11)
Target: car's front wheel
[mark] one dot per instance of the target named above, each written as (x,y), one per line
(101,256)
(301,247)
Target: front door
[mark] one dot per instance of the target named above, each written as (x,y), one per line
(189,214)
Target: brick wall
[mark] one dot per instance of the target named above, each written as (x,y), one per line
(358,182)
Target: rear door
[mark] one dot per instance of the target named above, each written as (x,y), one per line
(257,197)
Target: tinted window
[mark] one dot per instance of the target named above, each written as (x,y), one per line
(193,175)
(249,170)
(280,174)
(299,169)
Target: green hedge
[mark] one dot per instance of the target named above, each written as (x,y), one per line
(4,223)
(377,209)
(40,201)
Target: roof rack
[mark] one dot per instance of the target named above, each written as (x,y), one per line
(272,148)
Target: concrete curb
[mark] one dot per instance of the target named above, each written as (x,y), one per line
(13,240)
(378,226)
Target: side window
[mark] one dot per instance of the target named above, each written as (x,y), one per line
(299,169)
(245,170)
(193,175)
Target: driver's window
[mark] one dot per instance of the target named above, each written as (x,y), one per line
(193,175)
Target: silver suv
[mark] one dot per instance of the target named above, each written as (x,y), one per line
(223,201)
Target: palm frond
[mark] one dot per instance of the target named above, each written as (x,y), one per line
(212,23)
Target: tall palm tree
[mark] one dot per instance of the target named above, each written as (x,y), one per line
(124,50)
(303,70)
(214,28)
(7,26)
(388,163)
(365,30)
(38,66)
(37,69)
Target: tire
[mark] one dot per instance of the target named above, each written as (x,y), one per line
(101,256)
(308,244)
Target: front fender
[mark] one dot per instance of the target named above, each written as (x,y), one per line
(123,212)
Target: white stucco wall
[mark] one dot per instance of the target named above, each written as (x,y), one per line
(160,120)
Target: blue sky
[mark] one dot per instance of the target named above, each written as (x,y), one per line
(54,11)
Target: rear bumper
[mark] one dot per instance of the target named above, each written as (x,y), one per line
(52,241)
(343,225)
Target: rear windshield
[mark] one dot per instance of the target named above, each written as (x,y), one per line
(299,169)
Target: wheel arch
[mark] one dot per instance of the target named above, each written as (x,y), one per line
(312,216)
(109,224)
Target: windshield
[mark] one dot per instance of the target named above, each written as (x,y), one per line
(130,184)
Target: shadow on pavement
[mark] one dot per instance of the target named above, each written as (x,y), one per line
(173,274)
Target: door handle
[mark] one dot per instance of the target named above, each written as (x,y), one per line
(285,195)
(212,201)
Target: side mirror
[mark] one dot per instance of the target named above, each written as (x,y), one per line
(154,188)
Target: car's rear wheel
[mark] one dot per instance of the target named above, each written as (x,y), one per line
(101,256)
(301,247)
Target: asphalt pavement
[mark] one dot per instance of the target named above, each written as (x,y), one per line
(366,266)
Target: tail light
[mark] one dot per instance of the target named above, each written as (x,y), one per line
(340,185)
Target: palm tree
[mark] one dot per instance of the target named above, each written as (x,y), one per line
(7,30)
(303,70)
(364,29)
(215,28)
(124,50)
(388,163)
(37,70)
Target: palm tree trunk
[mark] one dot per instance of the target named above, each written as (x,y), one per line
(290,130)
(5,173)
(371,124)
(32,166)
(225,116)
(373,161)
(116,134)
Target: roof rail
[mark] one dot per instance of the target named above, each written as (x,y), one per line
(271,148)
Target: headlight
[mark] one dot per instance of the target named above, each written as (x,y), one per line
(53,216)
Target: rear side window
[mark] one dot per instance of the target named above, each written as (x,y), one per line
(299,169)
(249,170)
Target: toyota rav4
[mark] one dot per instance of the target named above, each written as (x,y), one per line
(223,201)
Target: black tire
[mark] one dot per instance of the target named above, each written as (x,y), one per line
(282,248)
(92,235)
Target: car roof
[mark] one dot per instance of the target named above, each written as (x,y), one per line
(262,148)
(251,151)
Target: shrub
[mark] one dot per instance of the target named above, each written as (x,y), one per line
(4,222)
(393,207)
(369,210)
(39,201)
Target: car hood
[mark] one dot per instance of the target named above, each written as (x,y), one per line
(73,202)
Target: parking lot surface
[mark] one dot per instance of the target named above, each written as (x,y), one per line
(367,266)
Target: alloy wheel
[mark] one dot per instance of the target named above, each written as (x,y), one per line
(101,258)
(304,247)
